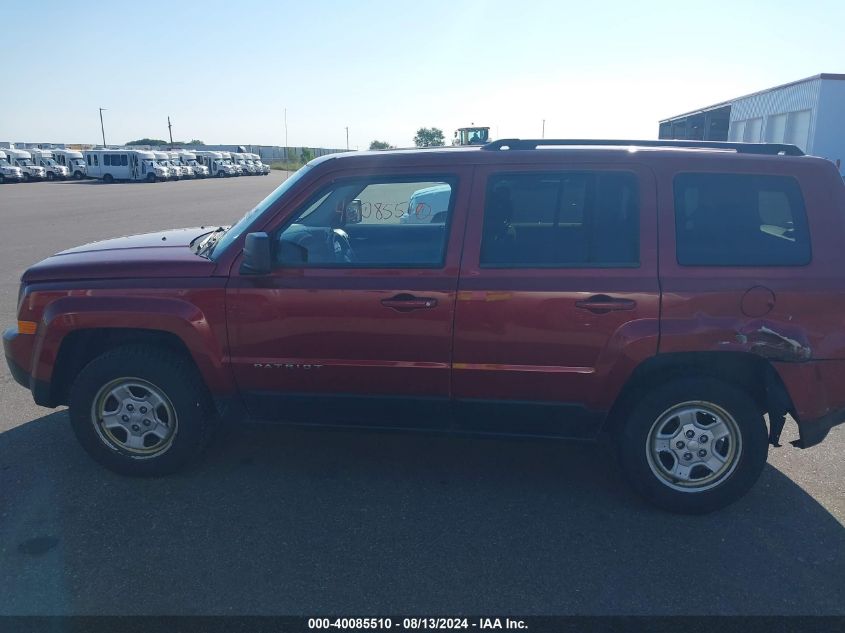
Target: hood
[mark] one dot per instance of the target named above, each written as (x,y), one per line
(151,255)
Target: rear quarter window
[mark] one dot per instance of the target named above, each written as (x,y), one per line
(740,220)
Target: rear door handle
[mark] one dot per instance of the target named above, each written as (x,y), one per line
(406,303)
(600,304)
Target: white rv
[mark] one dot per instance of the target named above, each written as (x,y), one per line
(124,164)
(262,168)
(9,172)
(190,159)
(23,159)
(73,160)
(44,158)
(216,164)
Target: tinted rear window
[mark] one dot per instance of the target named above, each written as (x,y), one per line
(740,220)
(561,219)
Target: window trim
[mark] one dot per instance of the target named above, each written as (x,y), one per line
(751,175)
(575,265)
(451,179)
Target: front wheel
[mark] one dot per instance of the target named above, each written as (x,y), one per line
(151,177)
(694,445)
(141,410)
(77,175)
(108,179)
(51,175)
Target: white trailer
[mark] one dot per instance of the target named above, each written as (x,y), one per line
(8,172)
(73,160)
(44,158)
(124,164)
(216,164)
(23,159)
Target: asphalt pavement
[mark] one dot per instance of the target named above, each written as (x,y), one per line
(280,521)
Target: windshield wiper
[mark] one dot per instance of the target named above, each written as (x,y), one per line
(205,247)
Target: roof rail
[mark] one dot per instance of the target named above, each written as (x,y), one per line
(772,149)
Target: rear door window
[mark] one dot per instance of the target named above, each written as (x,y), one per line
(561,219)
(740,220)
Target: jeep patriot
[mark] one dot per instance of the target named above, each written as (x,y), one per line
(682,297)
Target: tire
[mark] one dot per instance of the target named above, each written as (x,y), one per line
(220,174)
(151,177)
(50,175)
(108,179)
(176,401)
(2,179)
(27,177)
(666,439)
(77,175)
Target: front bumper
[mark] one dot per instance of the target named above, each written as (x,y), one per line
(16,348)
(17,177)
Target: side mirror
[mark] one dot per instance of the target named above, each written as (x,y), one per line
(256,260)
(354,213)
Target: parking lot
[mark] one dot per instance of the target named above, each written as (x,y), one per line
(279,521)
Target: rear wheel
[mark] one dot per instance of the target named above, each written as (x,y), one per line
(140,410)
(694,445)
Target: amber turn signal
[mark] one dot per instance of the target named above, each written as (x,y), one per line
(27,327)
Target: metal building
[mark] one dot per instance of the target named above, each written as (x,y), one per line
(809,113)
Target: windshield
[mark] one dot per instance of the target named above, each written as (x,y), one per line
(50,162)
(235,231)
(4,163)
(78,161)
(25,161)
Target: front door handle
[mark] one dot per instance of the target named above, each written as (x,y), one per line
(601,304)
(406,303)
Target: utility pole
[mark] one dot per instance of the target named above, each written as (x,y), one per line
(170,129)
(543,133)
(102,128)
(347,138)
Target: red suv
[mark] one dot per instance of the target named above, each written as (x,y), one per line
(670,294)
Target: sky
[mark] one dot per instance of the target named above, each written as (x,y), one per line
(226,72)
